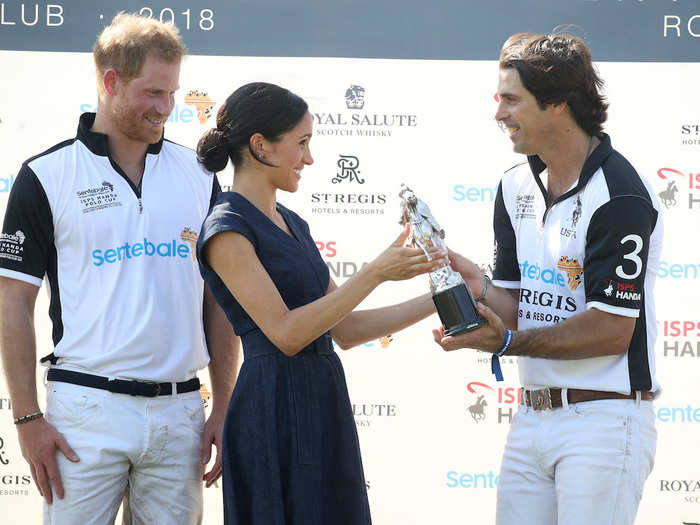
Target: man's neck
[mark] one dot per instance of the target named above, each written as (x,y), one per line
(128,154)
(565,158)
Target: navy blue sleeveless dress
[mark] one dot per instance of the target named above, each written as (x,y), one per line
(290,454)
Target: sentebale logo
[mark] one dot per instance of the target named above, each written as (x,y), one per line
(6,183)
(190,237)
(201,101)
(140,249)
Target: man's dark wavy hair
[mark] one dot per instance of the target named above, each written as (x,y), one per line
(558,68)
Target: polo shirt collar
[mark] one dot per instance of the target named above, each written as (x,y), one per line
(594,161)
(97,142)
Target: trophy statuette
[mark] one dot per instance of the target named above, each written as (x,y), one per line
(453,300)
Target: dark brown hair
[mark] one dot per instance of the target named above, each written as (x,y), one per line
(558,68)
(257,107)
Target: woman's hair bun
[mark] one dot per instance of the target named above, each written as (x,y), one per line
(213,150)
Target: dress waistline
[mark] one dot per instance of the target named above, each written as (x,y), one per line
(256,343)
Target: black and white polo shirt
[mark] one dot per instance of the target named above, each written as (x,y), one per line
(126,294)
(596,246)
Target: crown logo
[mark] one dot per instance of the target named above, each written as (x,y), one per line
(566,262)
(201,101)
(573,271)
(206,395)
(187,235)
(355,97)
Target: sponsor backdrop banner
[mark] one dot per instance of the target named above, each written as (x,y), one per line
(402,93)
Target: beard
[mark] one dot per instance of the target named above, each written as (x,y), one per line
(133,124)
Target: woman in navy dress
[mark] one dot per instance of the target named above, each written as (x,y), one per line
(290,447)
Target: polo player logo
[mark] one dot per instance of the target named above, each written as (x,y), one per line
(477,409)
(107,186)
(609,290)
(348,165)
(573,270)
(568,228)
(576,215)
(668,196)
(355,97)
(188,236)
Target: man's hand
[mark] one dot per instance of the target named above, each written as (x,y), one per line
(212,435)
(488,338)
(469,271)
(39,440)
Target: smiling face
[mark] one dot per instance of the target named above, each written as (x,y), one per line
(529,127)
(290,154)
(141,106)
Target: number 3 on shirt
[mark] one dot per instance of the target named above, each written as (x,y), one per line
(632,256)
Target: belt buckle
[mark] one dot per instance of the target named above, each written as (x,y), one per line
(137,388)
(154,383)
(541,399)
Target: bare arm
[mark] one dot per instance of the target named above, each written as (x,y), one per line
(224,360)
(224,352)
(18,343)
(38,439)
(503,301)
(364,325)
(233,258)
(592,333)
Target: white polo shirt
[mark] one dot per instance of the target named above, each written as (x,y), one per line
(596,246)
(126,294)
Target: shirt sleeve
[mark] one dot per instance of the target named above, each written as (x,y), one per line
(222,218)
(617,248)
(27,237)
(506,272)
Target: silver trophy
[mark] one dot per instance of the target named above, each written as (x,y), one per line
(453,300)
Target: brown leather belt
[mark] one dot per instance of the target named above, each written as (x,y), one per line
(547,398)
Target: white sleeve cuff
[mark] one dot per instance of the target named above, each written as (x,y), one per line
(617,310)
(512,285)
(20,277)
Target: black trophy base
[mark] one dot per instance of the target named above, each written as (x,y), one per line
(457,310)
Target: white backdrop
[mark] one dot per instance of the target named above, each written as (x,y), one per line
(428,458)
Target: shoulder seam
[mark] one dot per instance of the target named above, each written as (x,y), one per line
(513,167)
(178,144)
(53,148)
(614,178)
(631,196)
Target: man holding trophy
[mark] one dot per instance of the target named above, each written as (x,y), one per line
(583,440)
(453,300)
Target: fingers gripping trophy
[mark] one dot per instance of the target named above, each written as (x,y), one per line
(453,300)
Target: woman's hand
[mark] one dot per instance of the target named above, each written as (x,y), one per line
(399,262)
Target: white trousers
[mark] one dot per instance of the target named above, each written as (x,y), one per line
(582,464)
(150,443)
